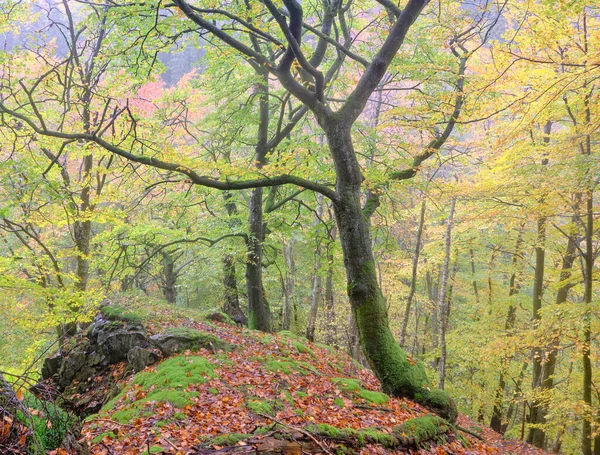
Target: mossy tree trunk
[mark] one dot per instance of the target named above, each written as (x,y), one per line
(259,313)
(398,374)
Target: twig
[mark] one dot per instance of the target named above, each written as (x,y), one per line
(375,408)
(112,421)
(299,430)
(472,433)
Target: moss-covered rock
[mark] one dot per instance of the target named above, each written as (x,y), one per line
(180,339)
(415,432)
(118,313)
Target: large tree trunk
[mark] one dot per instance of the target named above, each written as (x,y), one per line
(259,313)
(170,276)
(399,375)
(231,301)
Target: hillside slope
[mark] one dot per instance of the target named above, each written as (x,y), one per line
(251,392)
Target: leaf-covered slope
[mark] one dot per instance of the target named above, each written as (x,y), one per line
(274,394)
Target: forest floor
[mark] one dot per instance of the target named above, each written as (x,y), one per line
(267,389)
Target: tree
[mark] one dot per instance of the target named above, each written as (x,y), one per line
(281,54)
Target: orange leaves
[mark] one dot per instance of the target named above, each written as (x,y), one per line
(7,423)
(267,377)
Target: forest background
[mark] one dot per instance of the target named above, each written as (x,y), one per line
(478,149)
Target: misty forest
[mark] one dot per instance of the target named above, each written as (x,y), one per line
(299,227)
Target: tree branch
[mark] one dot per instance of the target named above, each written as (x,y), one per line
(195,178)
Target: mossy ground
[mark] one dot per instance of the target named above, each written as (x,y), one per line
(167,383)
(222,397)
(354,387)
(50,423)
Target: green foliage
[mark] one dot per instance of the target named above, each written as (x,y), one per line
(50,423)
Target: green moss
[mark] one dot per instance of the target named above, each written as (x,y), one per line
(359,437)
(373,397)
(126,415)
(288,397)
(168,384)
(118,313)
(229,439)
(440,402)
(354,386)
(289,334)
(177,372)
(301,394)
(51,423)
(100,437)
(199,339)
(302,348)
(213,391)
(179,416)
(347,384)
(260,407)
(153,449)
(339,402)
(162,423)
(416,431)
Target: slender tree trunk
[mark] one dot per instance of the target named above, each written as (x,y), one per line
(316,296)
(288,285)
(475,289)
(317,288)
(443,302)
(587,331)
(259,313)
(537,436)
(330,317)
(514,288)
(413,282)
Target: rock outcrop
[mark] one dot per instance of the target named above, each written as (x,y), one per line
(82,367)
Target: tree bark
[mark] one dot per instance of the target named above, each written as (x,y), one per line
(331,336)
(413,282)
(317,288)
(536,435)
(231,301)
(399,375)
(443,302)
(514,288)
(586,435)
(170,276)
(259,313)
(288,285)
